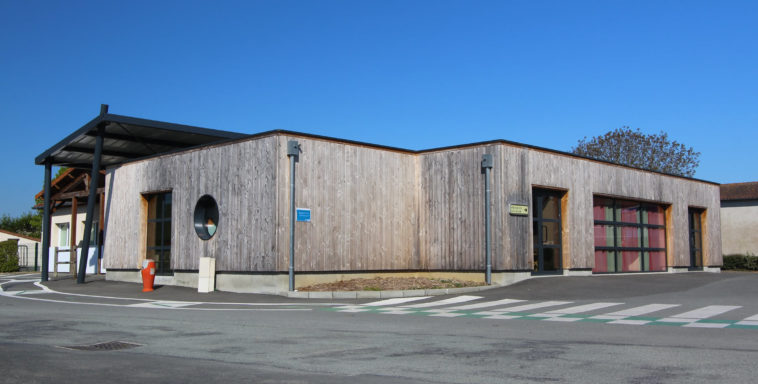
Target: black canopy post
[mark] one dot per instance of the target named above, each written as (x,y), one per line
(46,221)
(93,183)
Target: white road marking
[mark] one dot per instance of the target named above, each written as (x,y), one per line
(394,301)
(164,304)
(564,319)
(748,322)
(699,314)
(637,311)
(707,325)
(751,318)
(26,292)
(575,309)
(502,317)
(448,314)
(523,308)
(452,300)
(485,304)
(629,322)
(395,311)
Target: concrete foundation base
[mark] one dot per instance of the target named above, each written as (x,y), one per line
(279,283)
(508,278)
(568,272)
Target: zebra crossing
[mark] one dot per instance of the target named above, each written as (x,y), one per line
(617,313)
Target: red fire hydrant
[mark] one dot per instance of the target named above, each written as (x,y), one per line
(148,275)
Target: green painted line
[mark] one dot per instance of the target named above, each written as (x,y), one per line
(590,320)
(714,321)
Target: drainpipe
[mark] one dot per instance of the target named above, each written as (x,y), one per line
(293,152)
(487,166)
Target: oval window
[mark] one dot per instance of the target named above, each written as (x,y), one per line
(206,217)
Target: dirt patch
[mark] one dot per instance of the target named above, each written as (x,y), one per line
(390,284)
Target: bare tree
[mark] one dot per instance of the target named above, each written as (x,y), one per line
(654,152)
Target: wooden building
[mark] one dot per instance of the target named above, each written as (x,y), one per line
(377,210)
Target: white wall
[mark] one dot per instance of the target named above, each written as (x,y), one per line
(739,227)
(29,262)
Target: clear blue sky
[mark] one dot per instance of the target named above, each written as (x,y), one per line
(412,74)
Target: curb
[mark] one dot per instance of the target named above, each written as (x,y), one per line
(384,294)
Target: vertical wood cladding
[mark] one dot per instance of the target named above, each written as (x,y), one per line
(363,208)
(381,209)
(242,179)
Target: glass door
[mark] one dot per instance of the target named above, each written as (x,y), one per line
(547,231)
(696,238)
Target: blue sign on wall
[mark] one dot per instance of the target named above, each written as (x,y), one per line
(303,214)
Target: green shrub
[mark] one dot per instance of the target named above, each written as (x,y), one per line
(9,256)
(740,262)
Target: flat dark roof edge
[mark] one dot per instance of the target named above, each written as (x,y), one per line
(469,145)
(113,118)
(227,137)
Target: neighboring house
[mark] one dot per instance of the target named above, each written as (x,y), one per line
(69,193)
(177,193)
(739,218)
(28,248)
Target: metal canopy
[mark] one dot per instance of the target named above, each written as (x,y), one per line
(127,138)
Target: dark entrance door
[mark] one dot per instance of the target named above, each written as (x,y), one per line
(696,238)
(547,231)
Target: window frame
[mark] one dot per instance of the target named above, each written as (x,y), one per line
(617,224)
(163,250)
(67,236)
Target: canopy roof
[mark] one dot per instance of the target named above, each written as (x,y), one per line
(128,138)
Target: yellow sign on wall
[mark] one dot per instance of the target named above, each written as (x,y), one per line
(519,209)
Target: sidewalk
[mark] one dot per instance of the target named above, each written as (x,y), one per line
(98,286)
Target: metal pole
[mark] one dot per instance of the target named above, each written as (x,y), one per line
(93,182)
(487,165)
(293,151)
(292,224)
(36,256)
(46,222)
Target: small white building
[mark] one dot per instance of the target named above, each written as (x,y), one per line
(68,214)
(28,248)
(739,218)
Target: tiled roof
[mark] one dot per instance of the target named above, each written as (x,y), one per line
(20,235)
(739,191)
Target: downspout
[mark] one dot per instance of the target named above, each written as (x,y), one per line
(293,152)
(487,166)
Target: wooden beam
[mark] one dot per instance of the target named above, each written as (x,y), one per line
(80,194)
(67,188)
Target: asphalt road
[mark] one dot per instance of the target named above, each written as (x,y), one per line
(271,339)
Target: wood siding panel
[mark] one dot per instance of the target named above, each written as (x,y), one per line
(241,177)
(363,208)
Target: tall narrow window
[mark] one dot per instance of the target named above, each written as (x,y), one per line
(630,236)
(63,237)
(696,238)
(159,231)
(546,231)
